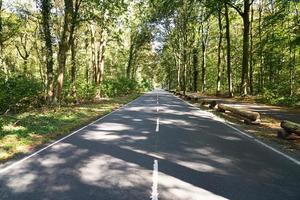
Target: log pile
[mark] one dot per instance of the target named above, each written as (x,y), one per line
(288,128)
(250,117)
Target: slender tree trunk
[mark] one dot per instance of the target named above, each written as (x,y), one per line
(73,70)
(195,69)
(184,70)
(179,75)
(129,63)
(100,64)
(245,61)
(93,53)
(87,64)
(228,52)
(1,38)
(261,68)
(204,43)
(251,53)
(46,15)
(218,92)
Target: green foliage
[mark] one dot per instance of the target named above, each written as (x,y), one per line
(120,86)
(1,123)
(19,93)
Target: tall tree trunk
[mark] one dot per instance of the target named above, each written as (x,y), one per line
(100,63)
(87,64)
(93,52)
(64,47)
(195,69)
(184,70)
(73,69)
(218,92)
(129,62)
(261,67)
(1,37)
(179,74)
(204,43)
(245,61)
(228,52)
(46,15)
(251,53)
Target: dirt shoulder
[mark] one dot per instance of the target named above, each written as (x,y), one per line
(271,116)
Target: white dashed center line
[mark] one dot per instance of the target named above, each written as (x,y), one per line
(157,125)
(154,195)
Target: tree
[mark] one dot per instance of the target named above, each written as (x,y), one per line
(46,7)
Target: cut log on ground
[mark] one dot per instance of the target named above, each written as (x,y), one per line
(212,103)
(290,127)
(283,134)
(253,116)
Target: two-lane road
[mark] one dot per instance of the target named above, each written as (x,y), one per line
(156,147)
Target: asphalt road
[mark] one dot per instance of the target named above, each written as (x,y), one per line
(156,147)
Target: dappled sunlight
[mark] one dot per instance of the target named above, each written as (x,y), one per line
(230,138)
(172,188)
(22,178)
(21,183)
(121,173)
(51,160)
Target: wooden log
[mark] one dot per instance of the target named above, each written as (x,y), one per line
(253,116)
(283,134)
(290,127)
(250,122)
(212,103)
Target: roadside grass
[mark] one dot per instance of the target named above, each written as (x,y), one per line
(24,132)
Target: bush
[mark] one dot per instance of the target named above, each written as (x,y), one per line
(118,87)
(19,93)
(1,123)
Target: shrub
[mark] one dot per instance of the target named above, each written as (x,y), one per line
(19,93)
(1,123)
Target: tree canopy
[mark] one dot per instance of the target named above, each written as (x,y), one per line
(70,51)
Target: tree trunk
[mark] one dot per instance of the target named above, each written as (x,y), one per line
(87,64)
(179,75)
(195,69)
(100,63)
(251,53)
(204,42)
(228,52)
(290,127)
(1,37)
(129,63)
(253,116)
(64,47)
(218,92)
(46,15)
(184,70)
(245,61)
(93,52)
(261,68)
(73,69)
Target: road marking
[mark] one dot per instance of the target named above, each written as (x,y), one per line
(245,134)
(154,195)
(65,137)
(157,125)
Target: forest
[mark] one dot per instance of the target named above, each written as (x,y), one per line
(233,48)
(62,52)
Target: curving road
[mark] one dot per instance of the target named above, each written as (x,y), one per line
(156,147)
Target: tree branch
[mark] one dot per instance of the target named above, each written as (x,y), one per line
(235,7)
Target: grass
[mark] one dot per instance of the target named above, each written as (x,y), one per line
(25,132)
